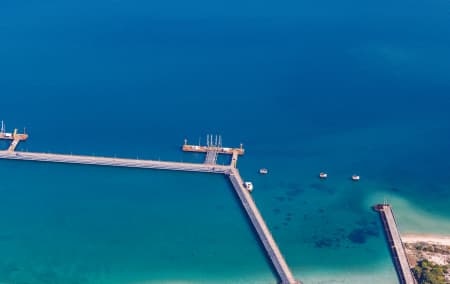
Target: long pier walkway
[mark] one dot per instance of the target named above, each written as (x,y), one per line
(395,243)
(261,228)
(117,162)
(277,259)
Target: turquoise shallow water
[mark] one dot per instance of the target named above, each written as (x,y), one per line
(307,87)
(82,224)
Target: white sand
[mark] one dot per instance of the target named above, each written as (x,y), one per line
(427,238)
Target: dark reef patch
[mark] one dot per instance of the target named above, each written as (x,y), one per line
(322,187)
(294,192)
(6,237)
(361,235)
(290,185)
(280,198)
(357,236)
(318,186)
(323,243)
(8,271)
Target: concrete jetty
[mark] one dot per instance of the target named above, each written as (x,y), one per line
(16,137)
(212,146)
(211,157)
(284,274)
(117,162)
(234,159)
(395,244)
(261,228)
(13,145)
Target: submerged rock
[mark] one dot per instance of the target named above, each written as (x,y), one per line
(323,243)
(360,235)
(357,236)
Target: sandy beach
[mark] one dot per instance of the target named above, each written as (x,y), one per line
(437,250)
(428,238)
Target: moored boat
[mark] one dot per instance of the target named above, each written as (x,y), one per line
(323,175)
(248,186)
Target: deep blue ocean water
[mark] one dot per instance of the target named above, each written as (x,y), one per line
(344,87)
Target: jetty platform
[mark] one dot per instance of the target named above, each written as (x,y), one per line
(15,137)
(213,143)
(220,150)
(395,244)
(273,252)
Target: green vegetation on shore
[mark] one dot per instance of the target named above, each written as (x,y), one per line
(429,273)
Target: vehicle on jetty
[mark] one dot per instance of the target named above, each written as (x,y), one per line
(249,186)
(323,175)
(263,171)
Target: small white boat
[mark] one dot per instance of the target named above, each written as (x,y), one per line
(323,175)
(356,177)
(248,186)
(263,171)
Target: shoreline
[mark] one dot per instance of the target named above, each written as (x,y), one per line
(433,248)
(427,238)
